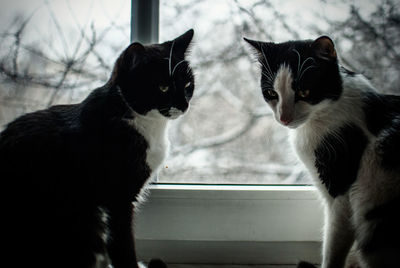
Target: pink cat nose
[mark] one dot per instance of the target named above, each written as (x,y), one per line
(285,120)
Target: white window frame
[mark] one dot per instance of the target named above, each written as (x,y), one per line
(223,224)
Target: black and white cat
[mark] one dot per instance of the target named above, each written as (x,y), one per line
(348,137)
(72,173)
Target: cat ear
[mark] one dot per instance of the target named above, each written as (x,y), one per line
(135,47)
(132,53)
(256,46)
(253,43)
(128,59)
(182,42)
(260,48)
(324,48)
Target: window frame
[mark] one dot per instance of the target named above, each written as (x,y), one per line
(230,224)
(223,224)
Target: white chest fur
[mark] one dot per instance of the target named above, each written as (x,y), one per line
(327,118)
(153,127)
(304,142)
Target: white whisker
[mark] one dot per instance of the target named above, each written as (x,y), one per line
(298,62)
(173,71)
(304,62)
(301,75)
(264,65)
(266,75)
(266,61)
(170,58)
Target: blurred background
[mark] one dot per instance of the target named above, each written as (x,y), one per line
(54,52)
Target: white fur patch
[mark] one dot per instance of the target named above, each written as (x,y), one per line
(153,127)
(327,117)
(102,261)
(175,113)
(284,110)
(141,265)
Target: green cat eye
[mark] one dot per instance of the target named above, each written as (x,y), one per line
(304,93)
(164,88)
(272,93)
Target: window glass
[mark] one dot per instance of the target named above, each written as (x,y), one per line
(57,51)
(229,135)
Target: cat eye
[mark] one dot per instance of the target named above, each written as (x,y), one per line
(304,93)
(164,88)
(188,84)
(272,93)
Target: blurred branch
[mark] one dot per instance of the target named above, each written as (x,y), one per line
(218,140)
(372,33)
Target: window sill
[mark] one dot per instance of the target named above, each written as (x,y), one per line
(230,224)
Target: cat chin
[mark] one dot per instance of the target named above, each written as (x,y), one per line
(295,124)
(174,113)
(173,117)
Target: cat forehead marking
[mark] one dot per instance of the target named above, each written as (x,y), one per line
(283,82)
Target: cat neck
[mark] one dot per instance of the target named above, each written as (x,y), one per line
(151,121)
(153,127)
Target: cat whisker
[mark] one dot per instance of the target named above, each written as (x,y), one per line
(301,75)
(266,61)
(170,58)
(267,75)
(164,109)
(266,68)
(299,59)
(173,71)
(304,62)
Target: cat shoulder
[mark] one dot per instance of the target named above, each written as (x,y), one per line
(39,125)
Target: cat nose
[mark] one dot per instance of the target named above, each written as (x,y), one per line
(285,120)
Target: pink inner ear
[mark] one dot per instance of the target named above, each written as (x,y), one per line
(324,48)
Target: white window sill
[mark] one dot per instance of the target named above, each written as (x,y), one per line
(230,224)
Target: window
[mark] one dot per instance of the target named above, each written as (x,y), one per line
(229,135)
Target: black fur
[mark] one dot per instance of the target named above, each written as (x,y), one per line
(382,237)
(383,120)
(380,110)
(71,172)
(157,263)
(304,264)
(338,157)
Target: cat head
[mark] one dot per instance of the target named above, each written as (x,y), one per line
(298,78)
(156,77)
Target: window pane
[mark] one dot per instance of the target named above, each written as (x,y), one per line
(57,51)
(229,135)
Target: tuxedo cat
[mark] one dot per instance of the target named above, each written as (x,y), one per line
(73,173)
(348,137)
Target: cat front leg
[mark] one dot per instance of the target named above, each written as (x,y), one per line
(338,233)
(121,245)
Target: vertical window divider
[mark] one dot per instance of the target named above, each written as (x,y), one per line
(145,16)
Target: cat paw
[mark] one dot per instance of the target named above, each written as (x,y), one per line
(304,264)
(157,263)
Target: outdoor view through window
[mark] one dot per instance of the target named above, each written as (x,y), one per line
(57,51)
